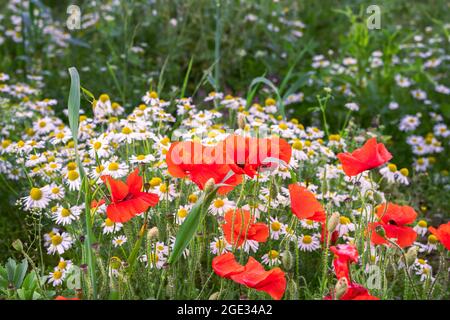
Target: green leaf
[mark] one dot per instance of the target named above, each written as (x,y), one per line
(20,273)
(186,78)
(270,84)
(190,226)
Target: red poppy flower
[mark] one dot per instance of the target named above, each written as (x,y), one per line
(127,199)
(393,219)
(369,156)
(252,275)
(200,163)
(344,255)
(442,233)
(304,204)
(64,298)
(355,291)
(247,155)
(239,226)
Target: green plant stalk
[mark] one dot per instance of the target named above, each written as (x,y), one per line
(217,40)
(73,105)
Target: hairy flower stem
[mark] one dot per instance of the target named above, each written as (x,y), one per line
(406,266)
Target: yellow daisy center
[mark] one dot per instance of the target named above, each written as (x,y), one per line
(344,220)
(57,275)
(392,167)
(65,212)
(72,175)
(56,240)
(432,239)
(275,226)
(219,203)
(307,239)
(423,224)
(273,254)
(156,181)
(36,194)
(126,130)
(113,166)
(182,213)
(62,265)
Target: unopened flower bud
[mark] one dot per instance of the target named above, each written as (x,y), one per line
(241,121)
(287,260)
(411,255)
(380,231)
(153,233)
(210,185)
(341,288)
(214,296)
(17,244)
(333,222)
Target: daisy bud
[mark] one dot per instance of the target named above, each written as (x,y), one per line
(153,233)
(210,185)
(214,296)
(380,231)
(287,260)
(411,255)
(341,288)
(333,222)
(17,244)
(241,121)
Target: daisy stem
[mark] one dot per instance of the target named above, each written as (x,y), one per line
(89,238)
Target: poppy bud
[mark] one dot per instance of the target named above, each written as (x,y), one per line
(380,231)
(333,222)
(153,233)
(411,255)
(287,260)
(241,121)
(210,185)
(341,288)
(17,244)
(214,296)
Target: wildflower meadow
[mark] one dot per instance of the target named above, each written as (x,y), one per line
(224,150)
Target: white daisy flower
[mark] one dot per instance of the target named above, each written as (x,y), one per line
(308,243)
(220,206)
(276,228)
(345,226)
(110,226)
(65,216)
(421,228)
(219,246)
(271,258)
(59,243)
(56,277)
(37,198)
(119,241)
